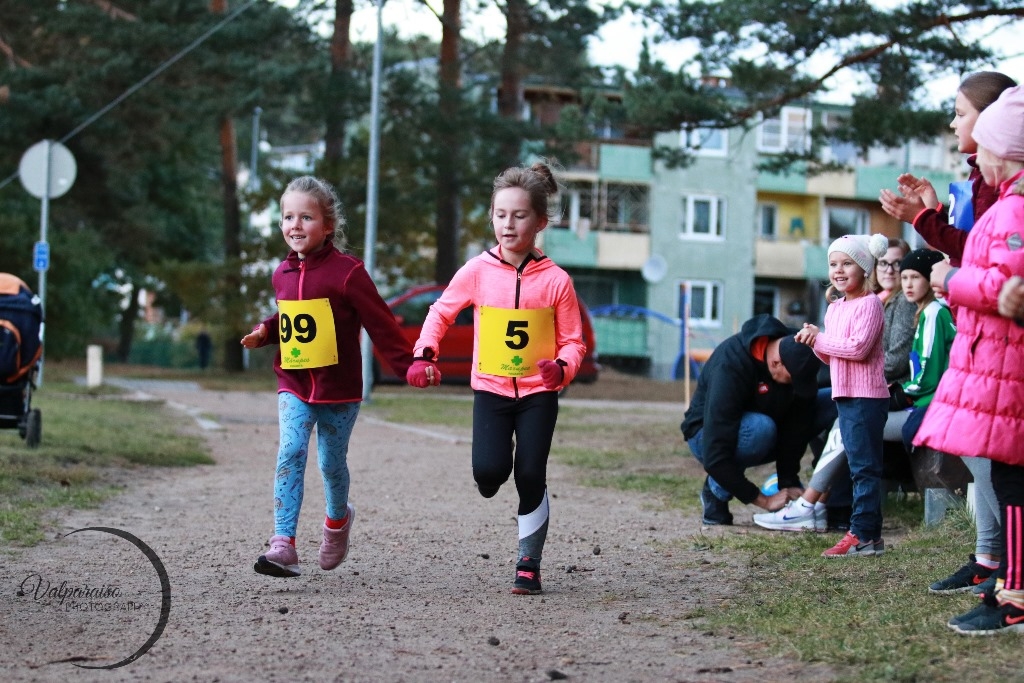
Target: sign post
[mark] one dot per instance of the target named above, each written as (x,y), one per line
(47,170)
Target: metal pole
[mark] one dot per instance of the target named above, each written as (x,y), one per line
(254,153)
(44,221)
(372,175)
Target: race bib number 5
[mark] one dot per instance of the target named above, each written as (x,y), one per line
(512,340)
(307,334)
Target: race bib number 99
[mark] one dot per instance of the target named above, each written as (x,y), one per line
(307,334)
(512,340)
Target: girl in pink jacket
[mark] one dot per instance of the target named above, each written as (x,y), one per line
(978,408)
(528,345)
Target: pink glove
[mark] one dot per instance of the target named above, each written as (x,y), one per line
(551,373)
(422,374)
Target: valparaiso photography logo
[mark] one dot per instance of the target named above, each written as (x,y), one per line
(103,607)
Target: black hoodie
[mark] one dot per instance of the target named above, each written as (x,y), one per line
(734,382)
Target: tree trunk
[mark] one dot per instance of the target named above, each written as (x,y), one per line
(334,137)
(126,329)
(448,214)
(233,304)
(510,99)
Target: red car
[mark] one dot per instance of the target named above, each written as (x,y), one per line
(410,309)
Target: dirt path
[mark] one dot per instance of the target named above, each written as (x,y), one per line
(424,595)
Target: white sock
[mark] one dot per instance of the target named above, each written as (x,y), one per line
(804,504)
(819,506)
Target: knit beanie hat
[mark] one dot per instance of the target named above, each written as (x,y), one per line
(1000,128)
(862,249)
(921,261)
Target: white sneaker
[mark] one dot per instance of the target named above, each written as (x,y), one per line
(793,517)
(820,519)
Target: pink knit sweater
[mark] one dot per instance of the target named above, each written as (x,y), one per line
(851,344)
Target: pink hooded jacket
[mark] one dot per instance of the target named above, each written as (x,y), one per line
(488,280)
(978,408)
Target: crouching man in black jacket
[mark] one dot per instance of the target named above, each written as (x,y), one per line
(756,402)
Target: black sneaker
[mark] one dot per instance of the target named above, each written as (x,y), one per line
(986,606)
(1006,618)
(964,579)
(715,511)
(527,577)
(986,587)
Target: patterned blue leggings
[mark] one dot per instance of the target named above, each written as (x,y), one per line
(296,419)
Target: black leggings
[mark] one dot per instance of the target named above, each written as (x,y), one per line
(1008,482)
(528,424)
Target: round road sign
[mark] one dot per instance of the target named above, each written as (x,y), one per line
(34,164)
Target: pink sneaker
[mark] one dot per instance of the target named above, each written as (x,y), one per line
(850,546)
(281,560)
(334,548)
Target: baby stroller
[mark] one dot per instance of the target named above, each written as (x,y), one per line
(21,347)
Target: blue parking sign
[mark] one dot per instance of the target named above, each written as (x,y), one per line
(41,257)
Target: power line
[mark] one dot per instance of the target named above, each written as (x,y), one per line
(153,74)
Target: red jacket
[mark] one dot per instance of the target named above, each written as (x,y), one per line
(933,224)
(355,302)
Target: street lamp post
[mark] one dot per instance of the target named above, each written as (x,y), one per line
(372,175)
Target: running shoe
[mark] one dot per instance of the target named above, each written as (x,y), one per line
(1007,618)
(850,546)
(334,547)
(281,560)
(527,577)
(792,517)
(964,579)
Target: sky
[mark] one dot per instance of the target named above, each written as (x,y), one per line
(619,43)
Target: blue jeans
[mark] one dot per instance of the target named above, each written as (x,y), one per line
(861,423)
(755,443)
(334,423)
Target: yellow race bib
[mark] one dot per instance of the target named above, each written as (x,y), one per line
(512,340)
(307,332)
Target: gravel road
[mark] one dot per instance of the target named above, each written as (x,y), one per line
(424,595)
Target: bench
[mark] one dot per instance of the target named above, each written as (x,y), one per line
(940,478)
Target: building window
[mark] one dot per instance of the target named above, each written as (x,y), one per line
(766,300)
(767,221)
(577,207)
(703,217)
(836,151)
(596,291)
(626,207)
(844,220)
(705,300)
(790,131)
(711,142)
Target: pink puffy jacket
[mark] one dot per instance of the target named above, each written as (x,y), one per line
(978,408)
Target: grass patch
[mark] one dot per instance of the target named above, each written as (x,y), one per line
(83,438)
(873,616)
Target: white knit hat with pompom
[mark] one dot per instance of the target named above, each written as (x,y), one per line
(862,249)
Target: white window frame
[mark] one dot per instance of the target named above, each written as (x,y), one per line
(790,138)
(762,207)
(862,220)
(712,294)
(717,216)
(695,142)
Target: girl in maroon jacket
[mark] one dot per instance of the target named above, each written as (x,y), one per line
(323,296)
(918,204)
